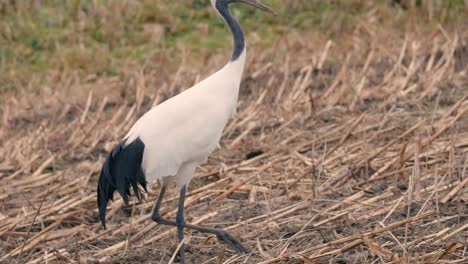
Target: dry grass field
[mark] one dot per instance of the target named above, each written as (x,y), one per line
(350,144)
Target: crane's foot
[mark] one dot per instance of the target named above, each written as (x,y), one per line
(180,257)
(231,241)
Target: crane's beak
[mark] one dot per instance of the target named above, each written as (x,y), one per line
(258,5)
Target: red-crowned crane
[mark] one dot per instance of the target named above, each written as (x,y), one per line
(170,140)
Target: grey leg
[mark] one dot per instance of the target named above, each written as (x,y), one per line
(180,223)
(156,216)
(179,218)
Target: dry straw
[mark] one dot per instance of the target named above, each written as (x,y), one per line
(356,154)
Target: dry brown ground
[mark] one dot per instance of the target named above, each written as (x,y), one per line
(352,152)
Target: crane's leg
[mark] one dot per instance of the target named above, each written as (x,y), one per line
(180,224)
(221,235)
(179,218)
(156,216)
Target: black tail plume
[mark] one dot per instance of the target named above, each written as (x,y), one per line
(121,169)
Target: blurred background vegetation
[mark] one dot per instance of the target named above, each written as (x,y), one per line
(98,36)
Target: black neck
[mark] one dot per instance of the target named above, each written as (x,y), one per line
(239,42)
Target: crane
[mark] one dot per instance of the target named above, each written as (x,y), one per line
(169,141)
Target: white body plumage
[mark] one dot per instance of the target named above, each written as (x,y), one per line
(180,133)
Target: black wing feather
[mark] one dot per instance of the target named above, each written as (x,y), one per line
(121,169)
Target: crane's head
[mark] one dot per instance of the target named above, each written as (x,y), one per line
(254,3)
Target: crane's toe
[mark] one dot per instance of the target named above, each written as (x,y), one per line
(231,241)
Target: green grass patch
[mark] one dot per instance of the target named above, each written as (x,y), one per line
(92,37)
